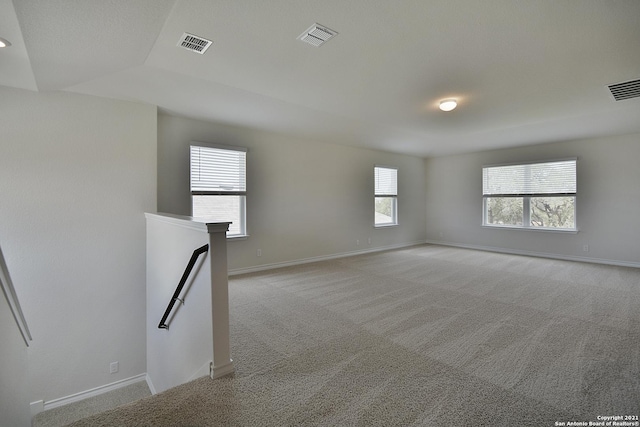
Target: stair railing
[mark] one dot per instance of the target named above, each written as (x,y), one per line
(12,299)
(187,271)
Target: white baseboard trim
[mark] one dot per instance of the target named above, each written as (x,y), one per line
(55,403)
(222,370)
(538,254)
(152,389)
(301,261)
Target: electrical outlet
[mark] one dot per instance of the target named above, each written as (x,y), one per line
(357,242)
(585,248)
(369,240)
(114,367)
(259,252)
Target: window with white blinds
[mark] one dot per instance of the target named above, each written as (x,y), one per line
(217,170)
(530,195)
(530,179)
(219,185)
(386,196)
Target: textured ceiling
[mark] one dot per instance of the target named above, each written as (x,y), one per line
(524,72)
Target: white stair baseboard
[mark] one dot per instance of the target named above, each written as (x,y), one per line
(202,372)
(222,370)
(39,406)
(150,384)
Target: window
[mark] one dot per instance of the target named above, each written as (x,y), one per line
(532,195)
(386,196)
(218,185)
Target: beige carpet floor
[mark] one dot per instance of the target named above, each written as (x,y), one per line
(423,336)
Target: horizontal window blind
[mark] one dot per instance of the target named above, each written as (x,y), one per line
(549,178)
(217,171)
(386,181)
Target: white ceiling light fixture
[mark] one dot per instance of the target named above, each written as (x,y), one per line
(4,43)
(316,35)
(448,104)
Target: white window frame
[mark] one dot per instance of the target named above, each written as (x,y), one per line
(384,189)
(527,196)
(237,191)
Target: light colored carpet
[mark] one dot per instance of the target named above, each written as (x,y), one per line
(424,336)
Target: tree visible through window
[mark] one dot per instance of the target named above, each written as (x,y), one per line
(555,212)
(533,195)
(504,210)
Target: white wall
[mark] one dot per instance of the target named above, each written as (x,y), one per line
(305,199)
(608,200)
(77,174)
(175,355)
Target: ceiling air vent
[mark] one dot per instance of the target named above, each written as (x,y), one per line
(316,35)
(194,43)
(626,90)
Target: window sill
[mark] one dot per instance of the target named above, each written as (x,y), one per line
(385,225)
(238,237)
(539,229)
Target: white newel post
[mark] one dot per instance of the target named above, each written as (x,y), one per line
(222,363)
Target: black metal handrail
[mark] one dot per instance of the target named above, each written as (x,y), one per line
(187,271)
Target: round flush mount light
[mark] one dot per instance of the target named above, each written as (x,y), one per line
(448,104)
(4,43)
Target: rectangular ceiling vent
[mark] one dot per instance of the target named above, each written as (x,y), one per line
(194,43)
(626,90)
(317,35)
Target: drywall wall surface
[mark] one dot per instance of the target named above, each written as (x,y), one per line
(305,199)
(14,391)
(175,355)
(607,204)
(77,174)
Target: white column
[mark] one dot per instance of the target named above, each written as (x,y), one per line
(222,363)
